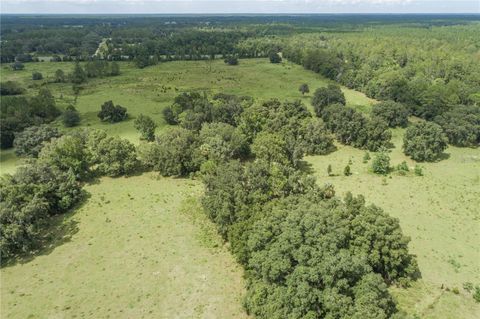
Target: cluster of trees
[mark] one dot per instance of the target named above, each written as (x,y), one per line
(91,69)
(306,253)
(50,183)
(20,112)
(350,126)
(230,127)
(413,71)
(112,113)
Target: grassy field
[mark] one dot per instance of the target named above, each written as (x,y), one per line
(439,211)
(138,248)
(150,90)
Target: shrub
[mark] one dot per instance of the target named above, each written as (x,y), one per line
(78,75)
(476,294)
(31,141)
(304,88)
(71,117)
(231,60)
(37,76)
(366,157)
(17,66)
(403,168)
(274,57)
(59,76)
(111,113)
(424,141)
(418,170)
(11,88)
(146,126)
(346,171)
(381,163)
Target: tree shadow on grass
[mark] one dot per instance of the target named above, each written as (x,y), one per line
(60,230)
(442,157)
(305,167)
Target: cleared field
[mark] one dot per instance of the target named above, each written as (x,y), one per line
(439,211)
(139,247)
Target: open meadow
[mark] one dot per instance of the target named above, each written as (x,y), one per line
(138,247)
(146,238)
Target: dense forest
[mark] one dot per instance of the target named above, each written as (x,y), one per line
(306,252)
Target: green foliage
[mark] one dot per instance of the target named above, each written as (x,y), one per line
(378,135)
(17,113)
(366,157)
(476,294)
(324,62)
(271,148)
(275,57)
(146,126)
(418,170)
(332,94)
(353,128)
(70,117)
(381,163)
(78,75)
(393,113)
(67,153)
(174,154)
(17,66)
(112,156)
(304,88)
(346,171)
(402,168)
(37,76)
(112,113)
(424,141)
(461,125)
(231,60)
(315,138)
(30,142)
(60,76)
(11,88)
(221,142)
(114,68)
(301,269)
(27,199)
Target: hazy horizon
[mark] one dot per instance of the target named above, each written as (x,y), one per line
(239,7)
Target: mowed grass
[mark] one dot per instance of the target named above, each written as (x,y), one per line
(139,247)
(440,211)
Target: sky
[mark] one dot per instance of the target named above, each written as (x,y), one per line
(236,6)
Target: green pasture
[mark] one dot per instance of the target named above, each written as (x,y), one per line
(138,247)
